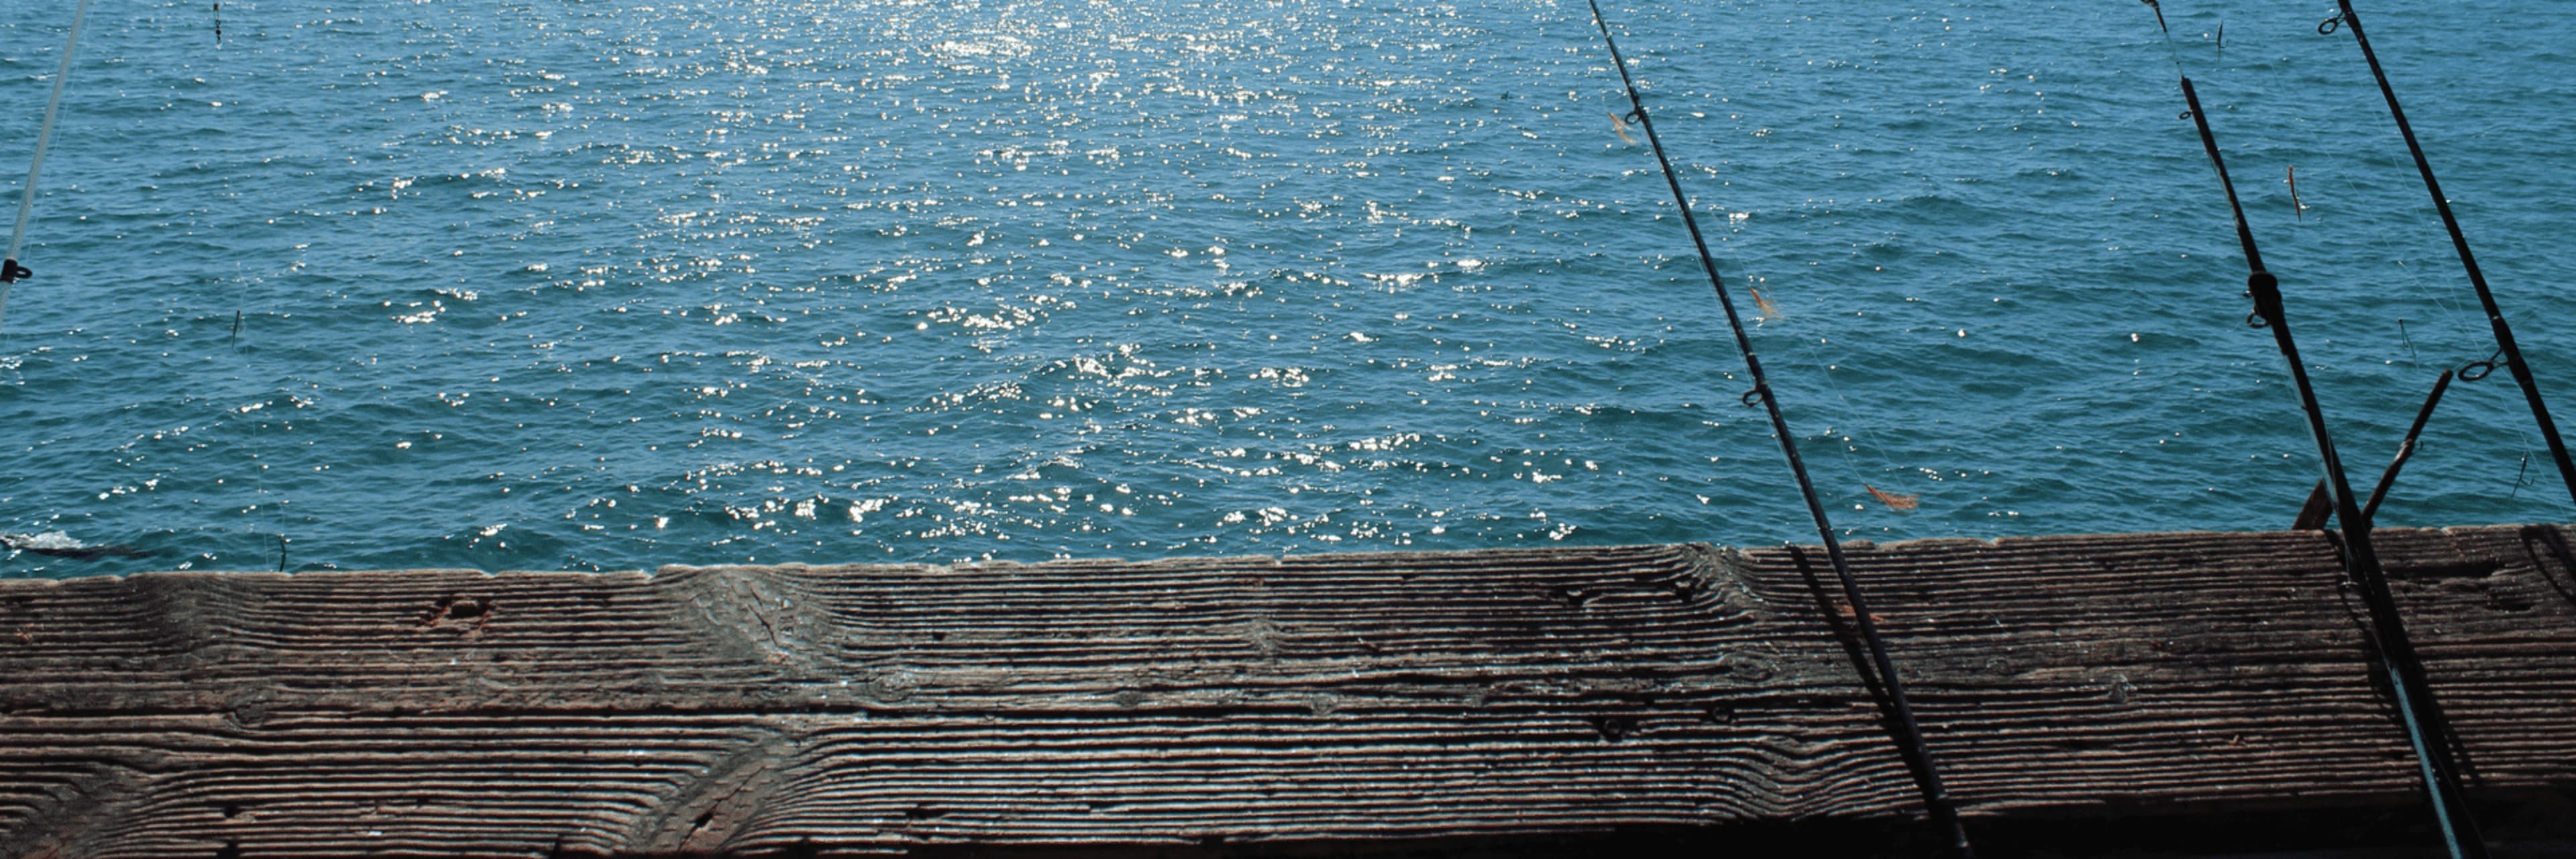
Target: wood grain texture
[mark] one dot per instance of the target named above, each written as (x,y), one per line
(884,709)
(2205,667)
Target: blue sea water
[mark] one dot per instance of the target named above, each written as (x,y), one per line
(528,284)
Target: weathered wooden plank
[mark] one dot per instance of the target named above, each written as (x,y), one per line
(2200,667)
(1172,702)
(338,784)
(1196,701)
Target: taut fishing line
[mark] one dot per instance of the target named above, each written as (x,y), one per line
(1897,707)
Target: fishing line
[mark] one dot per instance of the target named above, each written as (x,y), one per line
(260,495)
(2342,189)
(1899,710)
(2173,52)
(2460,242)
(1809,354)
(10,271)
(1812,354)
(2448,326)
(2416,709)
(1846,445)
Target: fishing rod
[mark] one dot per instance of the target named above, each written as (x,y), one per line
(2416,710)
(10,271)
(2320,505)
(1899,709)
(2406,448)
(2505,345)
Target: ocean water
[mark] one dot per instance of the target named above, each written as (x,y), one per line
(611,284)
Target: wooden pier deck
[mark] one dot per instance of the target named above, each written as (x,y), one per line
(1561,700)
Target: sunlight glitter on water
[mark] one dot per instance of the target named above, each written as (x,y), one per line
(617,285)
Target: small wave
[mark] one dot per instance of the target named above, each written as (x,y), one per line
(62,545)
(49,540)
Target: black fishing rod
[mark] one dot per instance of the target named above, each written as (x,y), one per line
(2406,448)
(1899,709)
(2460,241)
(2320,506)
(2425,730)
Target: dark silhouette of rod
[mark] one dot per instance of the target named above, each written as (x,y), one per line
(2415,708)
(1897,707)
(2460,241)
